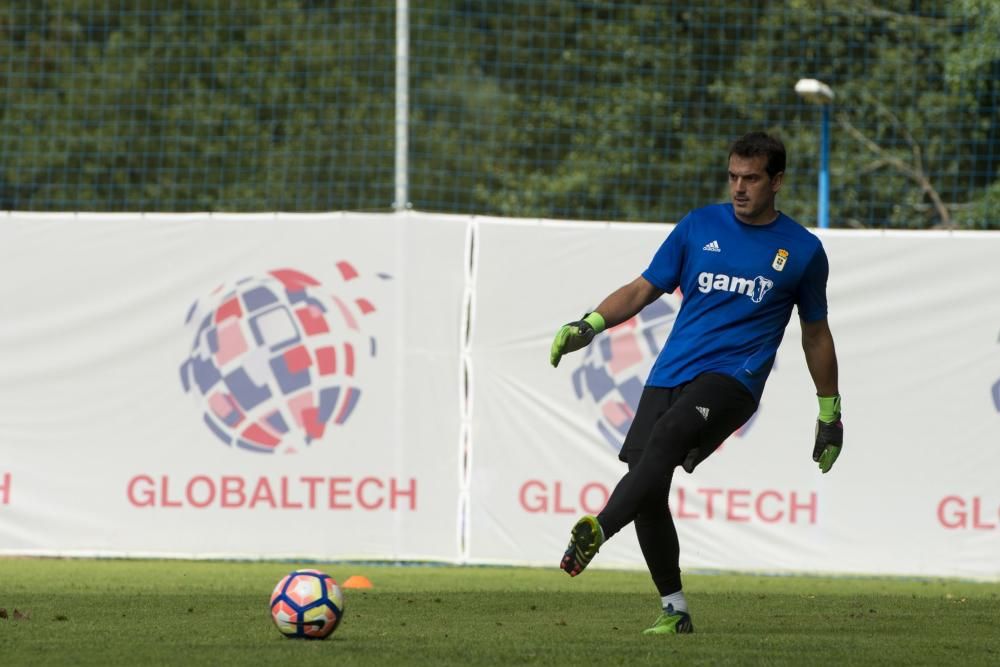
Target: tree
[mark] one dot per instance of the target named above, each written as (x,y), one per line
(557,108)
(572,110)
(972,71)
(899,159)
(197,106)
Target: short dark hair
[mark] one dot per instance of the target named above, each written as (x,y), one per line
(753,144)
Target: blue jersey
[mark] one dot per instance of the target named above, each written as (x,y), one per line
(739,283)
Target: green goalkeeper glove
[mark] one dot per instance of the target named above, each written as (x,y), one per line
(575,335)
(829,432)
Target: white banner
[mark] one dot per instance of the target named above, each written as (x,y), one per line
(339,386)
(245,385)
(915,318)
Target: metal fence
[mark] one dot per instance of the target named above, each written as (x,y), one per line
(527,108)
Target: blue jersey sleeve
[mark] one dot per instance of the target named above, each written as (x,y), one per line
(811,298)
(664,270)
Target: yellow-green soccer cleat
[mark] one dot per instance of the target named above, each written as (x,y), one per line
(584,542)
(671,622)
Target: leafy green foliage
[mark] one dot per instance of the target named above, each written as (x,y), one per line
(195,106)
(559,109)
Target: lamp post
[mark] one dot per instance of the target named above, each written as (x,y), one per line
(819,93)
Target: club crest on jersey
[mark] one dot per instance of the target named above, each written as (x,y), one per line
(780,258)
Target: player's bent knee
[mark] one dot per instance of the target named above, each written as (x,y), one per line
(674,436)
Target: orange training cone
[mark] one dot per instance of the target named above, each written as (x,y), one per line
(357,581)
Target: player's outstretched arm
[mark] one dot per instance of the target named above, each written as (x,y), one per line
(821,358)
(620,305)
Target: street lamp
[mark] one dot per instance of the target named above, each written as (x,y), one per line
(819,93)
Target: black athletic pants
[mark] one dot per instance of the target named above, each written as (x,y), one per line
(673,426)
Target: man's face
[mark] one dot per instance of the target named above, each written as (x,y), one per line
(751,189)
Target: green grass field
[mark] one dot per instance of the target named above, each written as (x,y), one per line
(216,613)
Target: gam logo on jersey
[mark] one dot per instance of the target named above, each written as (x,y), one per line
(276,359)
(755,288)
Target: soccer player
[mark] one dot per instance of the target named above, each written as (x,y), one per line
(741,267)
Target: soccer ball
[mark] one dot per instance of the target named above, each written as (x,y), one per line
(307,604)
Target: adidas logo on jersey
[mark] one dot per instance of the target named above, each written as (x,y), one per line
(702,411)
(712,247)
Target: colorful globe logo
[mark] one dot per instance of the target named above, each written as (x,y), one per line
(615,366)
(276,360)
